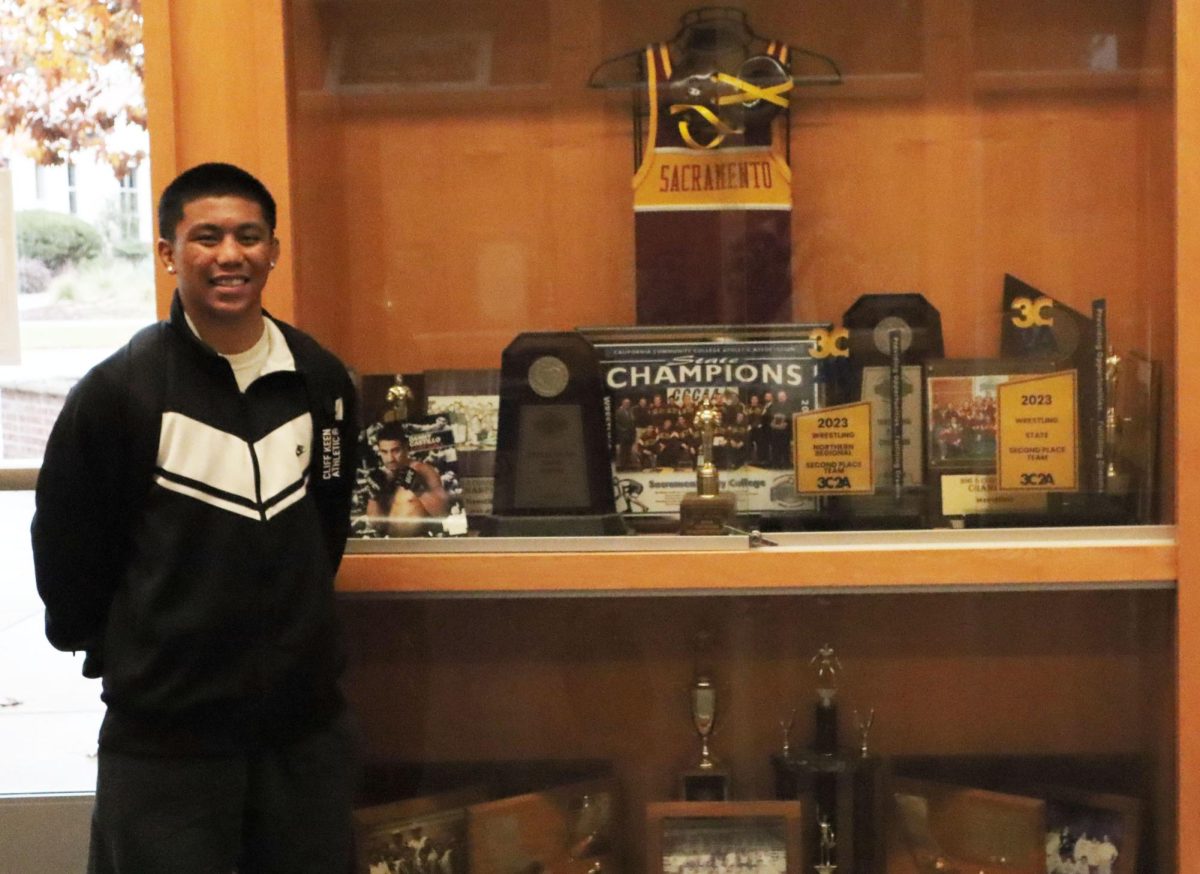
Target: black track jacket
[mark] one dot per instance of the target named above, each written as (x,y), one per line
(186,537)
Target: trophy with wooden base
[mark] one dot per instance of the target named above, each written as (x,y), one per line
(706,781)
(840,786)
(708,510)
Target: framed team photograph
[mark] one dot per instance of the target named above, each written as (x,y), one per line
(416,834)
(1096,832)
(961,409)
(941,826)
(755,377)
(706,837)
(572,826)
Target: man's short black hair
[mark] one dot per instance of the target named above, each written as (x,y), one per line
(392,431)
(214,179)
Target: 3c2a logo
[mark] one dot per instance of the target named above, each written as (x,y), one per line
(833,482)
(1037,479)
(1032,313)
(831,344)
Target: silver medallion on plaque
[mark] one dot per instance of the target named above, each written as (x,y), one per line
(548,376)
(882,334)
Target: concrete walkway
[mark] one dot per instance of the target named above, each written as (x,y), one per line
(49,714)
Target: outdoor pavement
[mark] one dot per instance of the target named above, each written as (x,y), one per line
(49,714)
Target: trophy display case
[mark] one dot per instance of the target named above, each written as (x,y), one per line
(974,223)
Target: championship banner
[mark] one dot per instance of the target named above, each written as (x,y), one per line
(755,378)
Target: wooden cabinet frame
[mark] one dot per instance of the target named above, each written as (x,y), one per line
(217,89)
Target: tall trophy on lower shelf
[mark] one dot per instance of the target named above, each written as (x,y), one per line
(705,780)
(841,787)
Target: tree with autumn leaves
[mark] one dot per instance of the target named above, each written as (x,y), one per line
(71,79)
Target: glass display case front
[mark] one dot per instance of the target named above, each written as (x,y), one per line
(918,258)
(763,403)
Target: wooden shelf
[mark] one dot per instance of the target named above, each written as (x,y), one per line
(1073,82)
(1125,557)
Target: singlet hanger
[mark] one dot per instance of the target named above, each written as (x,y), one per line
(690,24)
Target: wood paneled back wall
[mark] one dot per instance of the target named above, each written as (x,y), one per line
(966,141)
(1067,675)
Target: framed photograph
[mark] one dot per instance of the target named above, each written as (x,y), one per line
(961,409)
(368,59)
(1090,831)
(942,826)
(416,834)
(560,828)
(407,483)
(756,378)
(470,399)
(703,837)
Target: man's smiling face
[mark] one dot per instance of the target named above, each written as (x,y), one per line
(222,253)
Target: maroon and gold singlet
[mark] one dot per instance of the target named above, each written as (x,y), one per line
(712,203)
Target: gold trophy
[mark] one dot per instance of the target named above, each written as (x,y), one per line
(399,396)
(708,510)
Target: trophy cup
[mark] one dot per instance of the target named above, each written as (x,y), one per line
(708,510)
(704,717)
(705,780)
(785,726)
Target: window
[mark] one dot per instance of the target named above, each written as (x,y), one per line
(76,276)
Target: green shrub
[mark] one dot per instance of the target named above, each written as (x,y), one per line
(56,239)
(32,276)
(133,251)
(115,284)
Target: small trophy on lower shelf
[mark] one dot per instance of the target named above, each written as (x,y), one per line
(828,841)
(827,666)
(708,510)
(864,730)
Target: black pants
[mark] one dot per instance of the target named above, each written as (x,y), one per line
(285,810)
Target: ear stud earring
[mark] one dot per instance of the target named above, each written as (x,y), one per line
(170,268)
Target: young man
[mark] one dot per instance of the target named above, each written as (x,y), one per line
(192,509)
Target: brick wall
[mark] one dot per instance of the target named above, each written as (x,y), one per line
(27,412)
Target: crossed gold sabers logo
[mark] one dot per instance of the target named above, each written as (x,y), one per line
(747,93)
